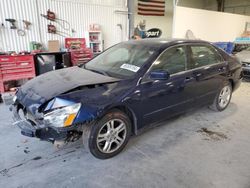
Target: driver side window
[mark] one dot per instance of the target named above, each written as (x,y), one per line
(173,60)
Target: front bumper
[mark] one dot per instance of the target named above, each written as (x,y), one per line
(39,131)
(246,71)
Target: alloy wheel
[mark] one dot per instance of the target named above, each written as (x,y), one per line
(111,136)
(224,97)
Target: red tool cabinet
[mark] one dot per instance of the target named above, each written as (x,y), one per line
(81,56)
(15,68)
(75,43)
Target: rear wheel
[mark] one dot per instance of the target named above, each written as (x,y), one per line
(108,136)
(223,98)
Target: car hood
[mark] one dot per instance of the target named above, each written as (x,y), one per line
(49,85)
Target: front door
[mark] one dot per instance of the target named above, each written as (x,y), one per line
(161,99)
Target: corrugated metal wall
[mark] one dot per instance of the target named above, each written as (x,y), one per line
(79,13)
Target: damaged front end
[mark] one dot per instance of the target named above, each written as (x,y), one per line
(55,106)
(55,120)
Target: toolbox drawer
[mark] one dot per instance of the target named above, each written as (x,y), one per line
(25,58)
(81,56)
(16,68)
(7,59)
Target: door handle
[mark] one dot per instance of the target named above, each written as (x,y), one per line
(221,69)
(189,79)
(198,75)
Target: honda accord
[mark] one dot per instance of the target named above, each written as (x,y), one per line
(129,87)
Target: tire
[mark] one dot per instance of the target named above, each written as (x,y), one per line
(217,104)
(107,137)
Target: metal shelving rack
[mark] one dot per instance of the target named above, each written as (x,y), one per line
(94,41)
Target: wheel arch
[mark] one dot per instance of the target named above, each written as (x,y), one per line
(231,81)
(129,112)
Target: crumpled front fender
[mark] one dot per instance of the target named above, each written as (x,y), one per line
(87,114)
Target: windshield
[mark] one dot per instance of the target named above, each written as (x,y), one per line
(122,60)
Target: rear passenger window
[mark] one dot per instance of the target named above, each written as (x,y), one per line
(204,55)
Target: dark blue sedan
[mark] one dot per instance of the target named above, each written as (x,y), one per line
(124,90)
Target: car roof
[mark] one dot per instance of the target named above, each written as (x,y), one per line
(161,43)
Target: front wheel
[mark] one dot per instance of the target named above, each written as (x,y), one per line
(108,136)
(223,98)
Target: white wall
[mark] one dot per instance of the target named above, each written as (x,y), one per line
(162,22)
(79,13)
(208,25)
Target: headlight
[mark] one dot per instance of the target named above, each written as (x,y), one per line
(62,117)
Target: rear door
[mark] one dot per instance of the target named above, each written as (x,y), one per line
(209,70)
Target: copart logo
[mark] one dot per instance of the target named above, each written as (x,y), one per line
(153,33)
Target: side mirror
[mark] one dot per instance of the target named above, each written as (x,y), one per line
(159,75)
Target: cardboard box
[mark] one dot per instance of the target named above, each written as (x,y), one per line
(54,45)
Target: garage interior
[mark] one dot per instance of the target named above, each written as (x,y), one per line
(200,148)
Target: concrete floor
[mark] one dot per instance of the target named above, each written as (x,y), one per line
(178,154)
